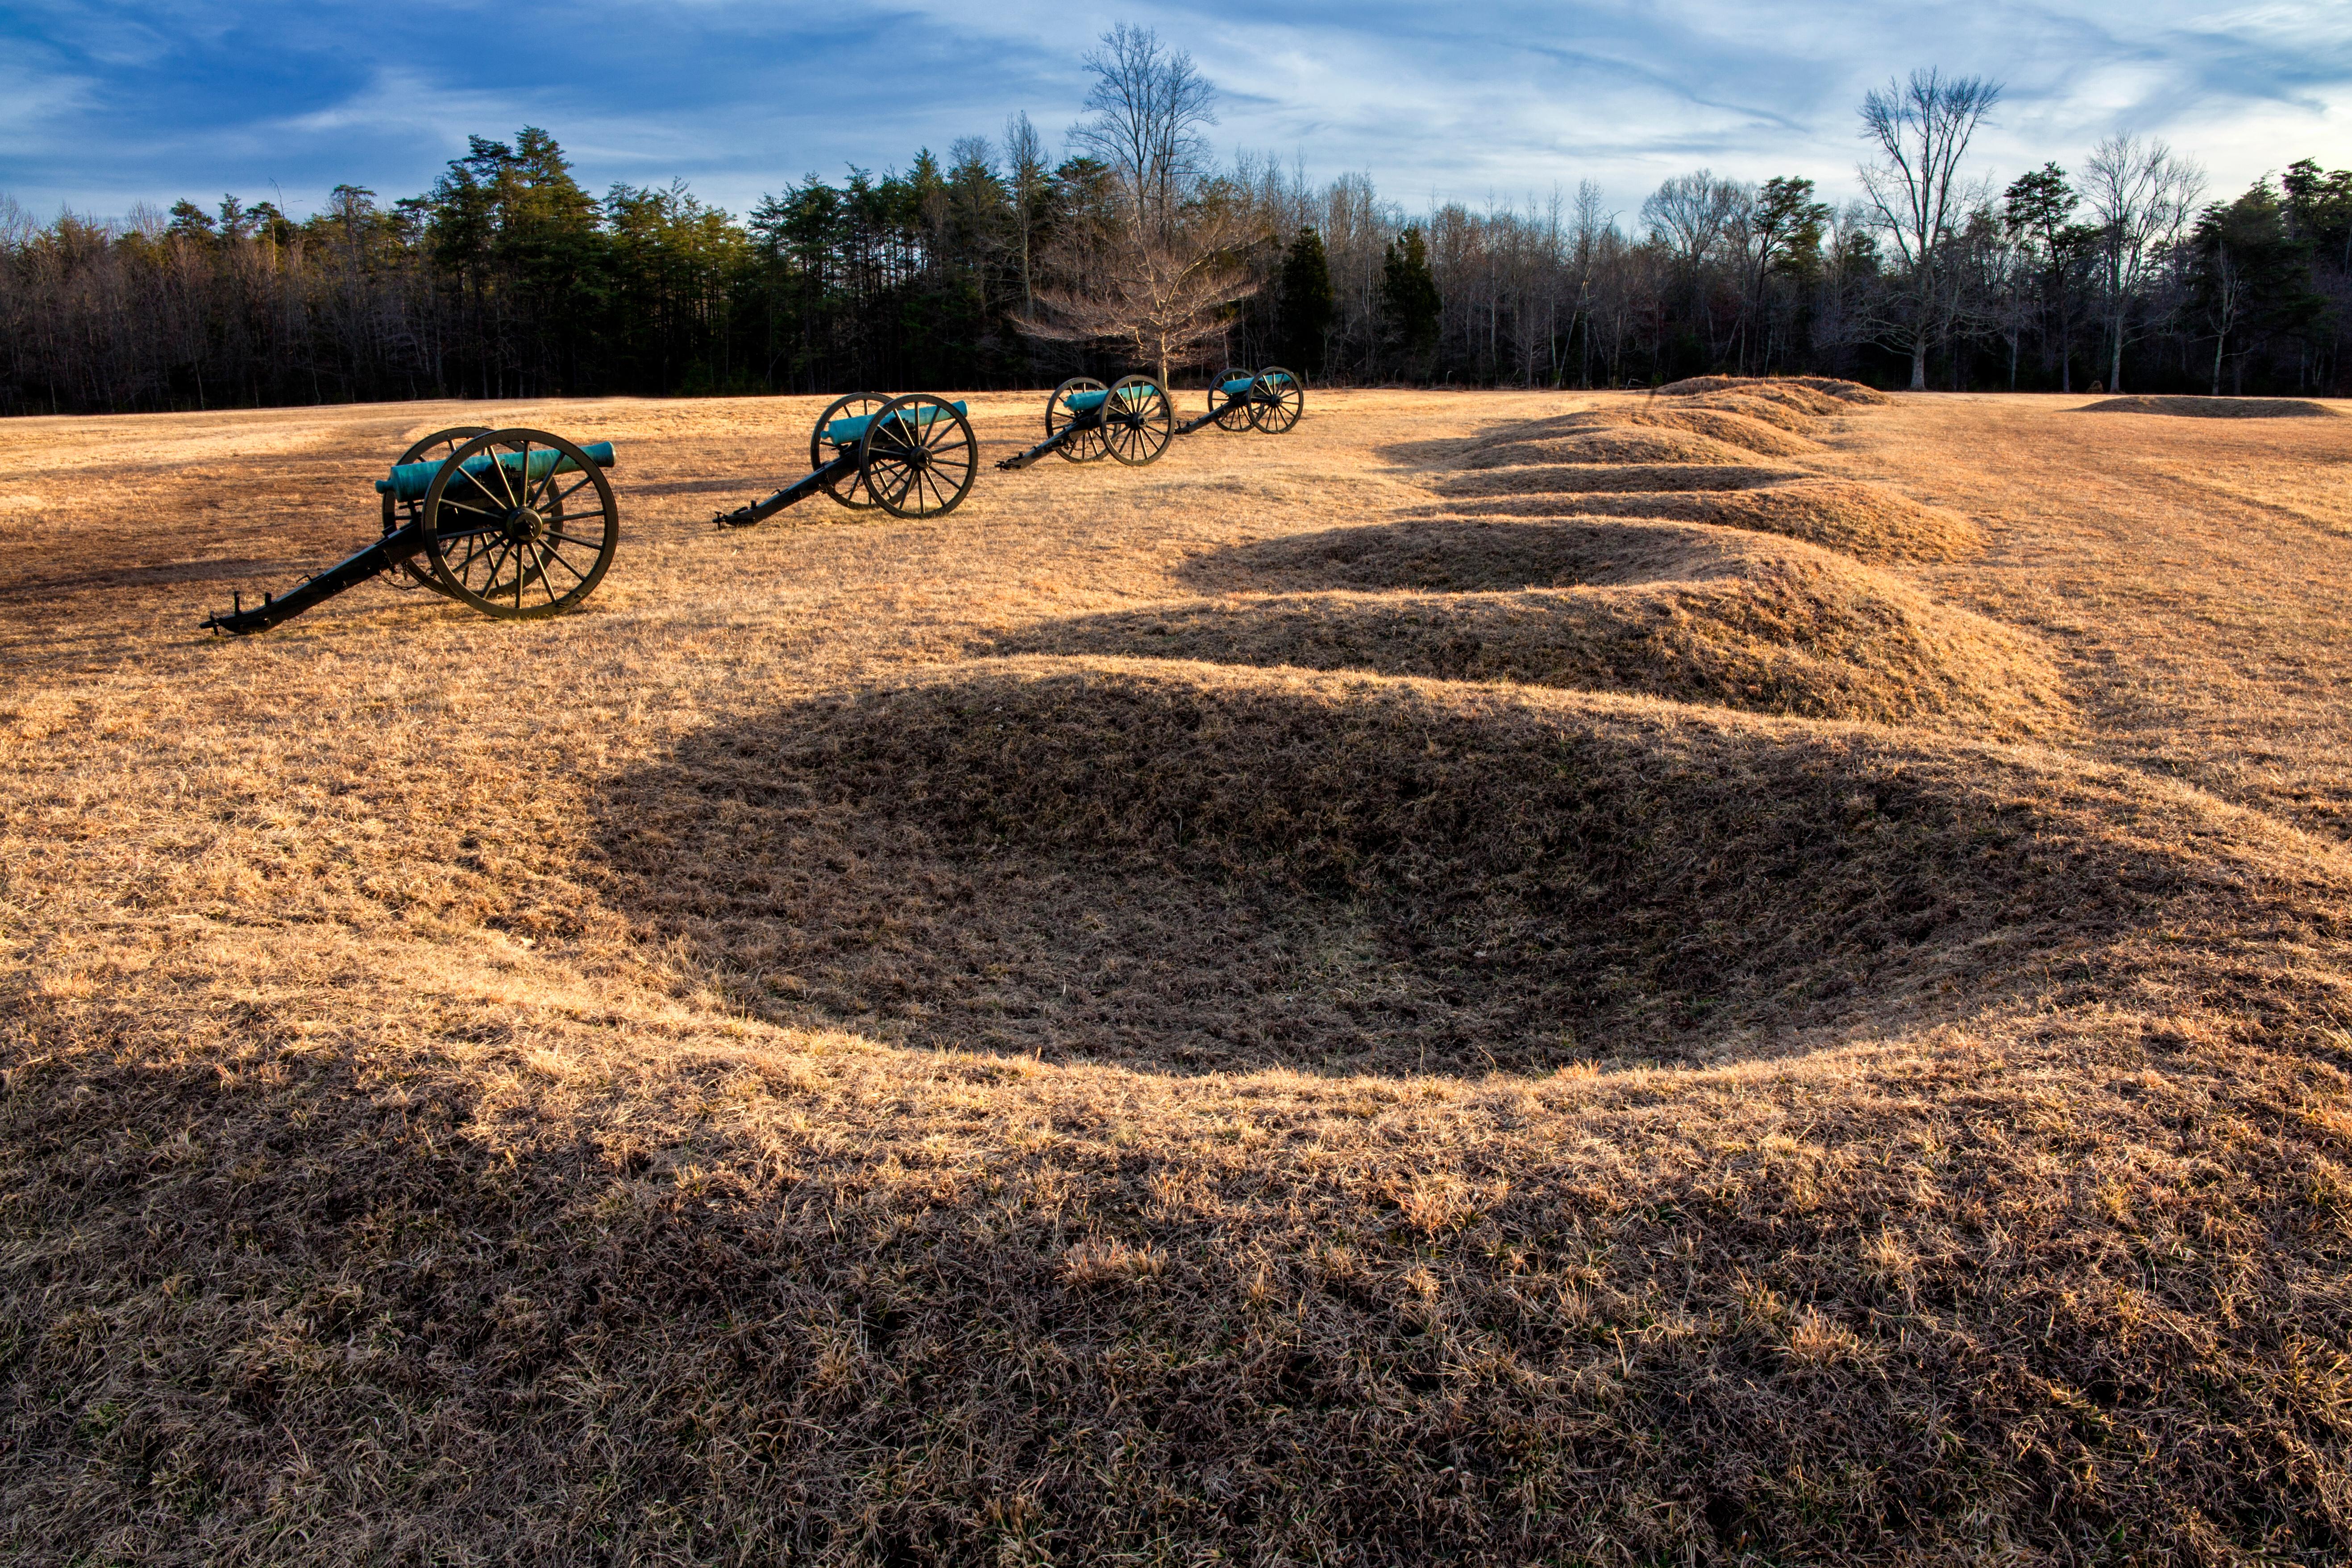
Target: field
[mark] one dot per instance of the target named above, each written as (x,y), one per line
(1763,975)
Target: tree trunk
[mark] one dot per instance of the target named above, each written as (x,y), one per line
(2219,342)
(1920,366)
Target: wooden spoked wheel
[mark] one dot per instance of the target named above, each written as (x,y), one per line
(1087,445)
(1277,398)
(1138,421)
(850,492)
(918,456)
(399,514)
(1235,411)
(520,524)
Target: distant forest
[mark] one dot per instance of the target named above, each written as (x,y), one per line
(507,279)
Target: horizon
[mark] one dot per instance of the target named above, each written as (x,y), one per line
(141,105)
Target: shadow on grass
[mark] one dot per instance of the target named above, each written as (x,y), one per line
(1188,867)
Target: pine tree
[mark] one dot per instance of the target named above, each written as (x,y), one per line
(1306,302)
(1409,302)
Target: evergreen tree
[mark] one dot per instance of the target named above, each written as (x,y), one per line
(2250,276)
(1410,305)
(2035,213)
(1305,303)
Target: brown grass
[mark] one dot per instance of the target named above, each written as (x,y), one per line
(846,1050)
(2216,407)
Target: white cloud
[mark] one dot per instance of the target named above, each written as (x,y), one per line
(1508,99)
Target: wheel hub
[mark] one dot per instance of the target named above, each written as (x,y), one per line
(524,525)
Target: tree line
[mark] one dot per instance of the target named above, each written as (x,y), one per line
(1000,266)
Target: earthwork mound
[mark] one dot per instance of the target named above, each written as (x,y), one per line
(1189,866)
(1814,394)
(1608,445)
(1764,410)
(1675,610)
(1867,521)
(2216,407)
(1545,479)
(1721,425)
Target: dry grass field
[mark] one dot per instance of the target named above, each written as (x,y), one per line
(1755,976)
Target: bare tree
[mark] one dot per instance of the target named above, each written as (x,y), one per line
(1692,213)
(1163,302)
(1161,288)
(1922,128)
(1026,183)
(2140,197)
(1149,106)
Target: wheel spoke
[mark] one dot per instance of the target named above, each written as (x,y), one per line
(546,584)
(551,546)
(461,572)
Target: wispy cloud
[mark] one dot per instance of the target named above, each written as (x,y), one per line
(106,104)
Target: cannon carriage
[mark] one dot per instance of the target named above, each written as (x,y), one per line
(1131,421)
(1269,401)
(515,524)
(913,455)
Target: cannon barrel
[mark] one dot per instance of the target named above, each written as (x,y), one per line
(849,432)
(411,480)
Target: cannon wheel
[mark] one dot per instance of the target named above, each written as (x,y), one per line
(1237,417)
(1087,445)
(850,492)
(1276,400)
(921,466)
(514,546)
(1138,421)
(431,449)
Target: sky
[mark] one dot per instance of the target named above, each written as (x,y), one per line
(105,104)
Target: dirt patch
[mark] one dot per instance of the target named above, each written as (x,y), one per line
(1692,613)
(2216,407)
(1189,866)
(1867,521)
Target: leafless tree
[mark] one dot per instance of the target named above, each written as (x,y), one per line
(1164,301)
(1025,179)
(1692,214)
(1149,106)
(1922,128)
(1162,285)
(2140,197)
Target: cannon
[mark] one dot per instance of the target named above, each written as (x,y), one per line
(493,519)
(1131,421)
(1270,400)
(912,456)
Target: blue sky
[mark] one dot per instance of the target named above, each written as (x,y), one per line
(105,103)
